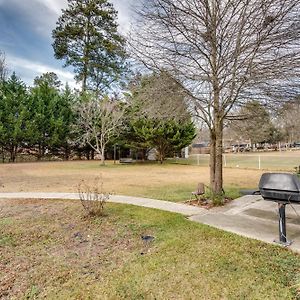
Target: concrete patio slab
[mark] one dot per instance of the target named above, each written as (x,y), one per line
(253,217)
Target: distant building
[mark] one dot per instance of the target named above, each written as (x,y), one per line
(200,148)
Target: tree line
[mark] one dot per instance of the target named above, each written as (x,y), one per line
(262,125)
(36,119)
(48,119)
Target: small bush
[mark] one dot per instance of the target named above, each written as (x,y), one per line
(218,200)
(92,196)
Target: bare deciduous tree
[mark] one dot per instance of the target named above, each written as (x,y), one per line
(3,67)
(222,52)
(159,97)
(254,124)
(99,120)
(289,121)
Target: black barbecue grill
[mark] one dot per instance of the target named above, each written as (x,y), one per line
(284,189)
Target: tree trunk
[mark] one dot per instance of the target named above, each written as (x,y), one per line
(162,150)
(67,152)
(216,159)
(160,155)
(143,152)
(161,159)
(87,154)
(86,55)
(39,153)
(13,153)
(103,156)
(3,155)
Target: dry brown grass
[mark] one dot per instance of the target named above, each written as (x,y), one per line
(51,250)
(136,179)
(45,243)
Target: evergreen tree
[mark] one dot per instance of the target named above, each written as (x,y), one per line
(61,121)
(13,115)
(49,78)
(86,38)
(157,116)
(44,104)
(166,136)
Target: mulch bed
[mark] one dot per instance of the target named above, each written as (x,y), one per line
(206,202)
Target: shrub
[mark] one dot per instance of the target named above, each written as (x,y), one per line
(92,196)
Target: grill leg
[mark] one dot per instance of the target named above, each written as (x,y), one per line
(282,226)
(282,223)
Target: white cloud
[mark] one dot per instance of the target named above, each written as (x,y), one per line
(124,14)
(32,69)
(40,14)
(54,5)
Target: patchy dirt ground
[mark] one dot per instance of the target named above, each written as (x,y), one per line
(49,243)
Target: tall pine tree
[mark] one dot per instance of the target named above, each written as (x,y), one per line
(86,38)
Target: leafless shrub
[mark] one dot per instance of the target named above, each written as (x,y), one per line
(92,196)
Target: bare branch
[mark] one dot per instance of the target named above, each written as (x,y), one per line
(224,53)
(99,120)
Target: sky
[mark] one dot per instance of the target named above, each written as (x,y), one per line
(25,36)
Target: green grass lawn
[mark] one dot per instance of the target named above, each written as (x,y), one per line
(182,192)
(49,249)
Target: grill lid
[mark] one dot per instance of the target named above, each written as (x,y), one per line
(280,187)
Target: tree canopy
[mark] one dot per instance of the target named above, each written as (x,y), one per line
(165,136)
(157,116)
(86,38)
(13,115)
(255,124)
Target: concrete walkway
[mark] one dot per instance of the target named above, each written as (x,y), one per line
(186,210)
(249,216)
